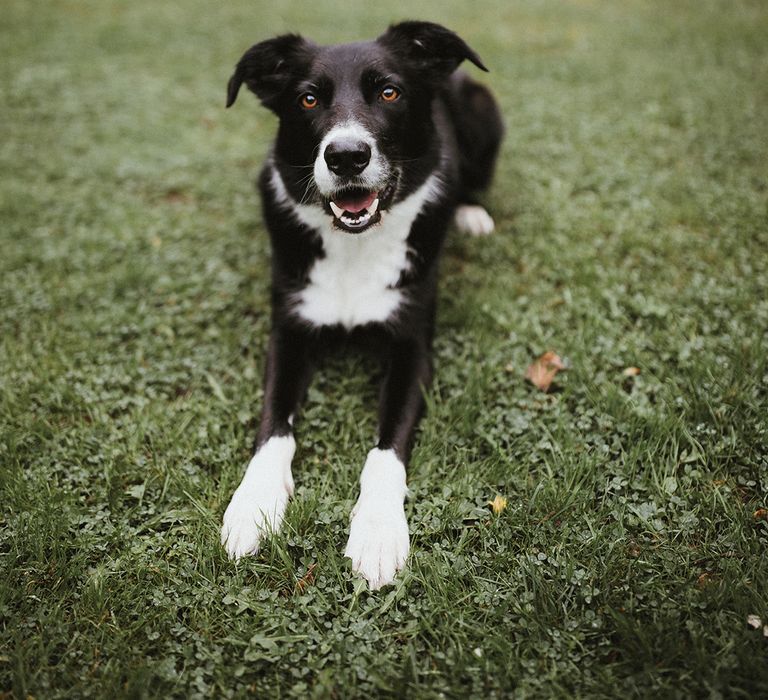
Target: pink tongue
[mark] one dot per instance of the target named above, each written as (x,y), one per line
(353,206)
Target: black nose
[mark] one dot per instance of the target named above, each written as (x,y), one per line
(347,157)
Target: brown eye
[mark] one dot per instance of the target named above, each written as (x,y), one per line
(389,94)
(308,101)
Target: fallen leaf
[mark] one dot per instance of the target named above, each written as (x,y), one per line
(307,580)
(498,504)
(542,372)
(754,621)
(760,514)
(631,371)
(703,580)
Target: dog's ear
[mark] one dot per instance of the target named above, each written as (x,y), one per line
(432,47)
(267,67)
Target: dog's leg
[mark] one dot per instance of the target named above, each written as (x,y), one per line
(258,505)
(378,538)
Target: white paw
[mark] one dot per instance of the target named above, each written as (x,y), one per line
(474,220)
(258,505)
(378,537)
(378,540)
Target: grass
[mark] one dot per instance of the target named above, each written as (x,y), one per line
(632,211)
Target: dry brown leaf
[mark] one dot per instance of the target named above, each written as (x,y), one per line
(498,504)
(631,371)
(307,580)
(760,514)
(542,372)
(703,580)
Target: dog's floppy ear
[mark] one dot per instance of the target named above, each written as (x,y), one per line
(432,47)
(267,67)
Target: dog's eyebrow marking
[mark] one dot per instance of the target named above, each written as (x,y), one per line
(323,87)
(373,78)
(382,78)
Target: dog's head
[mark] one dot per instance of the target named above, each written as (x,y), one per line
(356,124)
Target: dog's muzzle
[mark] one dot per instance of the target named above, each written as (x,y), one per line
(347,158)
(355,209)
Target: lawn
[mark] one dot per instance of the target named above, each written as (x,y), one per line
(632,232)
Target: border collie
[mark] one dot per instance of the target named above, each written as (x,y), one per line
(380,145)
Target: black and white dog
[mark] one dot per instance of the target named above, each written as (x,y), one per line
(380,145)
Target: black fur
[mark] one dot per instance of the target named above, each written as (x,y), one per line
(444,123)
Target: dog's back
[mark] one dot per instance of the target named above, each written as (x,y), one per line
(478,126)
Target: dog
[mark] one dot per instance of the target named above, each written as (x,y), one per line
(380,145)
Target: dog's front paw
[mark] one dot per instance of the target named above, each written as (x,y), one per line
(258,505)
(378,540)
(254,511)
(378,535)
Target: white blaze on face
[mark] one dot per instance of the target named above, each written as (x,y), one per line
(373,177)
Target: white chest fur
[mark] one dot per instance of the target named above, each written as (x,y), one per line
(354,283)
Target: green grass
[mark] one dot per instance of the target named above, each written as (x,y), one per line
(632,211)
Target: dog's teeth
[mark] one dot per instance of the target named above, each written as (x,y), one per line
(372,209)
(337,211)
(356,222)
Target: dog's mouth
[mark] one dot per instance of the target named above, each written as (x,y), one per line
(356,209)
